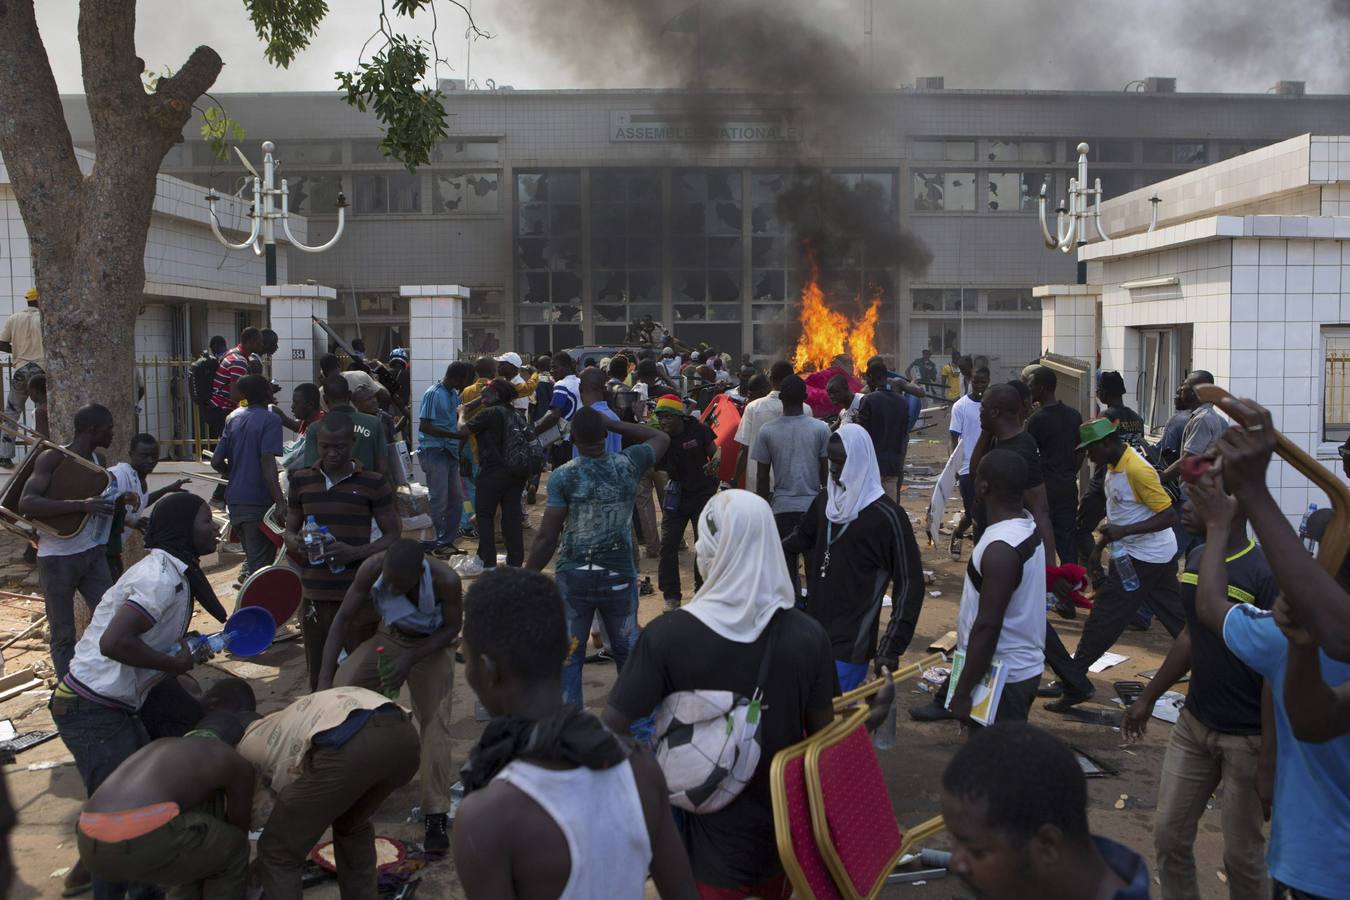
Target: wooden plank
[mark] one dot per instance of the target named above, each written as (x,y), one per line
(19,689)
(946,643)
(19,677)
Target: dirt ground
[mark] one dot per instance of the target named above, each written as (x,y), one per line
(47,792)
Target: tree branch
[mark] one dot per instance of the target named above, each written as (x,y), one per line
(173,98)
(111,72)
(34,139)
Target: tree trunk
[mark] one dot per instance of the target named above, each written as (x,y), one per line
(87,233)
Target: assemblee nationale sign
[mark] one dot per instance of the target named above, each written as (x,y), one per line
(729,126)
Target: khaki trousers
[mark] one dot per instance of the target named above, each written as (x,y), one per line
(342,787)
(431,684)
(1198,761)
(651,489)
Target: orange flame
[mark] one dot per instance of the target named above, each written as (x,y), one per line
(826,333)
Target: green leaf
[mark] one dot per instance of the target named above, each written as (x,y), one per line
(412,116)
(285,26)
(219,130)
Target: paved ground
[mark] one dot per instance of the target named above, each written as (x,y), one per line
(47,792)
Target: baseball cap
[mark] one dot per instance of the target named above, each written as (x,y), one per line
(511,357)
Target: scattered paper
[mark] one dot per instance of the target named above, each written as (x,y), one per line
(1106,661)
(1168,707)
(886,601)
(61,873)
(7,730)
(935,593)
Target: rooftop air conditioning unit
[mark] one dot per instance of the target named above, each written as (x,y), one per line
(1291,88)
(451,84)
(928,83)
(1155,85)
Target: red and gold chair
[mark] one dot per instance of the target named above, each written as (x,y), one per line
(836,830)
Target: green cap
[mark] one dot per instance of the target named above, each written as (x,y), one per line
(1094,431)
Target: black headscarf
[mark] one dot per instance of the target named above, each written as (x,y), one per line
(171,524)
(569,735)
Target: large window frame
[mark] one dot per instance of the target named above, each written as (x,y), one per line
(1164,360)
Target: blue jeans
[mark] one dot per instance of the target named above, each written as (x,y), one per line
(259,552)
(470,493)
(586,592)
(100,738)
(850,674)
(440,465)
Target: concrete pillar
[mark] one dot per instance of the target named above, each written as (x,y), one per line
(436,317)
(1069,320)
(292,309)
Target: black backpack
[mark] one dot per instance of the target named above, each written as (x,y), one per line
(521,450)
(202,379)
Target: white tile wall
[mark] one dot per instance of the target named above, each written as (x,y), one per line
(300,342)
(1257,326)
(437,330)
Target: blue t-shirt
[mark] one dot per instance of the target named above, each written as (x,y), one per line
(1310,824)
(613,442)
(440,407)
(598,494)
(246,438)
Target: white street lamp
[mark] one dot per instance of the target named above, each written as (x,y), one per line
(264,213)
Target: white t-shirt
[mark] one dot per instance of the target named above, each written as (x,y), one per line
(756,415)
(1021,641)
(157,588)
(672,365)
(129,481)
(966,423)
(850,416)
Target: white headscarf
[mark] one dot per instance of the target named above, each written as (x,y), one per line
(861,479)
(745,577)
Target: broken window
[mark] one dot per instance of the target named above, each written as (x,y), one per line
(548,242)
(943,191)
(466,192)
(707,250)
(625,233)
(314,195)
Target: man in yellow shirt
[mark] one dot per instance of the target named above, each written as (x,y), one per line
(1138,537)
(21,338)
(953,372)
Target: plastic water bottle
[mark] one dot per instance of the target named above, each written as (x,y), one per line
(385,666)
(214,643)
(1124,566)
(328,539)
(312,538)
(1303,528)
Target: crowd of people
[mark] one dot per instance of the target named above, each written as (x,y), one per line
(808,581)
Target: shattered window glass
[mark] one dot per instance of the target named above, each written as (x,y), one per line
(548,229)
(625,240)
(707,218)
(937,191)
(466,192)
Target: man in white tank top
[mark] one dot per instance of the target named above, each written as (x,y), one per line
(1002,613)
(556,805)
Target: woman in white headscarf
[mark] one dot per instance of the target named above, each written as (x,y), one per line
(857,542)
(739,626)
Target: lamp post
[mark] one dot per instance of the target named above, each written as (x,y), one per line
(1071,222)
(264,214)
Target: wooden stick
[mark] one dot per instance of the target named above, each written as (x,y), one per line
(23,634)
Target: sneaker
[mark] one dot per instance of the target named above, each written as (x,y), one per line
(1069,700)
(78,881)
(1052,690)
(645,589)
(672,604)
(437,839)
(955,547)
(930,712)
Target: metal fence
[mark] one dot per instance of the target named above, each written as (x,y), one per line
(165,406)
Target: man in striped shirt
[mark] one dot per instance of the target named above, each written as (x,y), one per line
(233,366)
(345,498)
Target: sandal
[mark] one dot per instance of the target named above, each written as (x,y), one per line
(956,546)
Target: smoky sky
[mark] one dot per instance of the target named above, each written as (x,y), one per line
(1208,45)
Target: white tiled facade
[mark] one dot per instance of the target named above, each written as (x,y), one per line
(437,316)
(1258,288)
(292,309)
